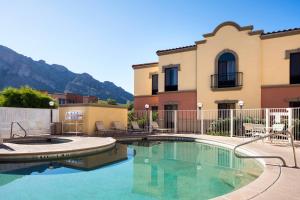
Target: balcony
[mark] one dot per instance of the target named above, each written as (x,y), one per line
(226,81)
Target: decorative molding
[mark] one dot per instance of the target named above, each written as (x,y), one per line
(257,32)
(92,105)
(226,88)
(280,34)
(178,91)
(170,66)
(226,101)
(144,65)
(288,52)
(228,23)
(176,50)
(151,74)
(200,42)
(280,86)
(144,96)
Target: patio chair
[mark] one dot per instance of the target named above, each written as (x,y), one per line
(278,128)
(100,129)
(117,125)
(135,127)
(249,129)
(259,130)
(155,127)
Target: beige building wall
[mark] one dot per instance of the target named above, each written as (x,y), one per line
(187,73)
(143,81)
(93,113)
(276,69)
(248,49)
(261,59)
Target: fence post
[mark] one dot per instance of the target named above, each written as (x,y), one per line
(150,121)
(290,117)
(201,118)
(231,122)
(175,121)
(267,120)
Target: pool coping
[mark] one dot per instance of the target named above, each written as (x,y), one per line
(78,146)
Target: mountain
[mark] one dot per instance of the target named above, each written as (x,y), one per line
(18,70)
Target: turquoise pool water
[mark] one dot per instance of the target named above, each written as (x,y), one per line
(159,170)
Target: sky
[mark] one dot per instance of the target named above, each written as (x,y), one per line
(106,37)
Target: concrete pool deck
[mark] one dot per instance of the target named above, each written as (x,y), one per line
(76,146)
(276,182)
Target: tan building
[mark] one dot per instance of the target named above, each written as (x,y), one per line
(71,98)
(231,63)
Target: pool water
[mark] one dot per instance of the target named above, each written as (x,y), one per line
(157,170)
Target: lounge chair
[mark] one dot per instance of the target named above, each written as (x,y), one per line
(117,125)
(135,127)
(100,129)
(155,127)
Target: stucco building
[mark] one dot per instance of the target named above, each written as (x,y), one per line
(231,63)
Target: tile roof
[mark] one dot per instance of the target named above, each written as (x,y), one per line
(281,31)
(178,49)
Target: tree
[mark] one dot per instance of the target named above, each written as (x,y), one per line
(24,97)
(130,105)
(111,101)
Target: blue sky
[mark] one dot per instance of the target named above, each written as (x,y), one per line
(104,38)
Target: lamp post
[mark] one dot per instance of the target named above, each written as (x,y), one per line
(200,105)
(241,104)
(51,104)
(147,108)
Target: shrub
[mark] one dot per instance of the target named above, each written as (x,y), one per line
(24,97)
(111,101)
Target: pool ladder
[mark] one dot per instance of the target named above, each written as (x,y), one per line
(267,136)
(12,135)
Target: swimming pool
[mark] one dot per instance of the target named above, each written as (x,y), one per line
(147,170)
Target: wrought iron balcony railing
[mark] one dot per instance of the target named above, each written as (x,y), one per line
(226,80)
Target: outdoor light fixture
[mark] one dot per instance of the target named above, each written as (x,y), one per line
(147,106)
(241,104)
(199,105)
(51,103)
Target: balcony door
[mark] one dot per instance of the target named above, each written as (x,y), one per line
(226,70)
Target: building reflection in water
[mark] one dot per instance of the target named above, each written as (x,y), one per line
(10,172)
(171,170)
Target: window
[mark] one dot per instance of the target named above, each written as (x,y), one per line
(61,101)
(223,109)
(154,108)
(295,68)
(226,70)
(294,104)
(171,79)
(154,84)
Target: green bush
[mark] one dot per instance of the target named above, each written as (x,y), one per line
(24,97)
(111,101)
(221,126)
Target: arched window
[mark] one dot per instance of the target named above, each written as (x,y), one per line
(227,71)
